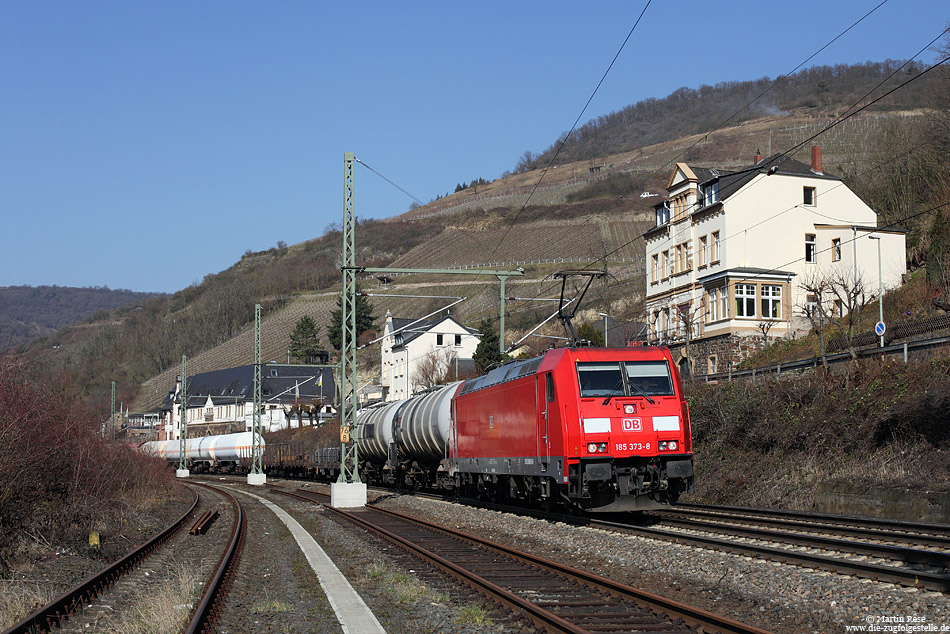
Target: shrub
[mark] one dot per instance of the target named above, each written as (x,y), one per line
(59,479)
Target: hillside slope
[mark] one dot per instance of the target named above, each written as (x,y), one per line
(27,312)
(586,212)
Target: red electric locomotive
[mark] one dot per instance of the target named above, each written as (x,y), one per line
(603,429)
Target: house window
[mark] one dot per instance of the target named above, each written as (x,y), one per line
(662,214)
(808,196)
(714,305)
(810,248)
(273,372)
(656,266)
(771,301)
(703,250)
(715,247)
(438,340)
(665,264)
(458,340)
(838,308)
(711,193)
(745,300)
(724,302)
(712,364)
(811,304)
(835,249)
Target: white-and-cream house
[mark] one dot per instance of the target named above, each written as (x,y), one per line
(414,347)
(730,252)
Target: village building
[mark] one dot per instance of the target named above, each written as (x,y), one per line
(733,254)
(415,353)
(221,401)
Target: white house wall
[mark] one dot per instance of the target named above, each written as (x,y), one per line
(404,360)
(763,226)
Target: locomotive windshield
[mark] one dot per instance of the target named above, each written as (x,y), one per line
(628,378)
(651,377)
(600,379)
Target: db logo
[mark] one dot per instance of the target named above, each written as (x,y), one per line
(632,424)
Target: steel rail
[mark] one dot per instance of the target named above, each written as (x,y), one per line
(215,592)
(882,524)
(900,576)
(672,610)
(886,551)
(58,610)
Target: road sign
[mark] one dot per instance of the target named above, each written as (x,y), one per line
(880,328)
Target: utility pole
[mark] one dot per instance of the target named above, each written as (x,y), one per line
(182,471)
(348,490)
(112,416)
(257,475)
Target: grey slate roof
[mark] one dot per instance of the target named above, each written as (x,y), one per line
(731,182)
(277,385)
(420,328)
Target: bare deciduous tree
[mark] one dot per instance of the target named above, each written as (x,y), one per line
(435,368)
(816,309)
(690,316)
(837,299)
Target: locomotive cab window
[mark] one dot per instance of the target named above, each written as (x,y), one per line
(600,379)
(649,377)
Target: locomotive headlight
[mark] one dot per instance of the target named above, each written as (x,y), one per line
(602,447)
(662,445)
(672,445)
(592,447)
(629,408)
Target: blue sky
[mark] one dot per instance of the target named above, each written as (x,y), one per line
(145,145)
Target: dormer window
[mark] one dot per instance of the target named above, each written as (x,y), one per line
(711,194)
(662,214)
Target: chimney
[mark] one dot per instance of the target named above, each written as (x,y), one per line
(816,159)
(758,157)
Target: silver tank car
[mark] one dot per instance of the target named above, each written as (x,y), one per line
(226,448)
(374,431)
(422,428)
(419,426)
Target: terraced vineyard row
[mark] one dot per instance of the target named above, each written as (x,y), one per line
(457,247)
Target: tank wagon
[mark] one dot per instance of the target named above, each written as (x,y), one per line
(229,452)
(601,429)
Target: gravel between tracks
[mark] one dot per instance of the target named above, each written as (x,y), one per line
(776,597)
(407,597)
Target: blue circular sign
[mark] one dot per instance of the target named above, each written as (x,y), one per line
(880,328)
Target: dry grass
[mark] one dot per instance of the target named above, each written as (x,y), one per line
(165,610)
(20,598)
(777,443)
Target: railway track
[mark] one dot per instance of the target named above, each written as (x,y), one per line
(903,553)
(90,605)
(556,597)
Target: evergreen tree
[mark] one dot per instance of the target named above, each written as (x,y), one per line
(487,355)
(305,340)
(589,332)
(365,319)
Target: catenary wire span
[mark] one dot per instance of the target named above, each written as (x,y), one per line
(724,122)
